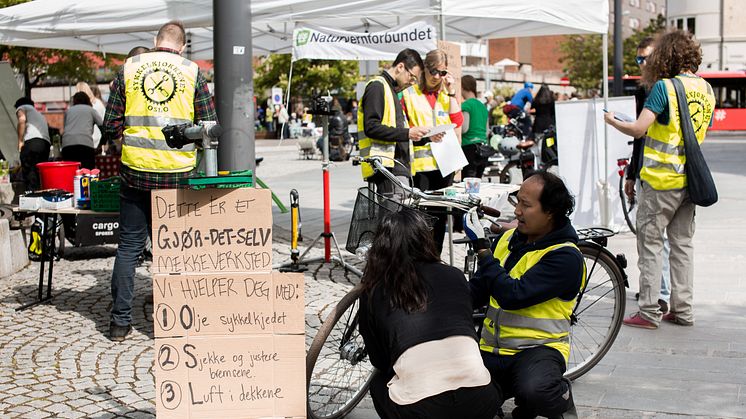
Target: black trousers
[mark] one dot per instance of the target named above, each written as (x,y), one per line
(476,165)
(430,181)
(534,378)
(35,150)
(80,153)
(463,403)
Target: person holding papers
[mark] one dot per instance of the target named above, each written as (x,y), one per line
(432,102)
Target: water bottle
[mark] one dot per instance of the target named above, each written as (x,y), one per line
(362,251)
(77,191)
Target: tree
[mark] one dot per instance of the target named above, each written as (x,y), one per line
(583,60)
(310,77)
(39,64)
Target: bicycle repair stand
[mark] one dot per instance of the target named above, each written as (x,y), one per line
(327,234)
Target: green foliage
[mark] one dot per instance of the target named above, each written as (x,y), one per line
(583,59)
(39,64)
(504,90)
(310,77)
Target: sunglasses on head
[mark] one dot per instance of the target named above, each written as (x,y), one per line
(640,59)
(434,72)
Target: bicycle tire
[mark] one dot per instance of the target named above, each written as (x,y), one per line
(328,398)
(505,175)
(598,317)
(627,207)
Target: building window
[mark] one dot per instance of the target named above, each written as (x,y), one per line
(686,23)
(650,6)
(634,3)
(634,23)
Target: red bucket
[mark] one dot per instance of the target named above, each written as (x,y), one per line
(58,174)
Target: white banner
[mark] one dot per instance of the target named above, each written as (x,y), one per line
(315,42)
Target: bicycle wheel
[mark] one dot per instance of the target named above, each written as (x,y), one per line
(338,372)
(598,316)
(629,206)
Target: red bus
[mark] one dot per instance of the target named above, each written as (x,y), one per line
(730,97)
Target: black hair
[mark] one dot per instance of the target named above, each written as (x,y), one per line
(402,241)
(469,83)
(544,96)
(410,58)
(555,199)
(137,51)
(24,101)
(81,98)
(645,42)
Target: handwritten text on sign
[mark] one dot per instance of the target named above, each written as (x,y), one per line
(230,376)
(228,304)
(212,230)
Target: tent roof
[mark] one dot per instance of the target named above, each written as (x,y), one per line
(116,27)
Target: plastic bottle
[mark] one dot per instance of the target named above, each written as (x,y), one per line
(362,251)
(77,192)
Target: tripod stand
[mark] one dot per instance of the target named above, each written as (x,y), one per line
(327,234)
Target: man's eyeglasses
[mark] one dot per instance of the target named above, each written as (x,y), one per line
(640,59)
(414,78)
(513,198)
(435,72)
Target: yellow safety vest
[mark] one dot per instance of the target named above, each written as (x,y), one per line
(507,332)
(160,89)
(421,114)
(371,146)
(663,156)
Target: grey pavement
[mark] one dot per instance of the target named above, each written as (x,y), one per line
(56,361)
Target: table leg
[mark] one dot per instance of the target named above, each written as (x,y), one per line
(47,242)
(450,235)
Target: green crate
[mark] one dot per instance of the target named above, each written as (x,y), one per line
(105,195)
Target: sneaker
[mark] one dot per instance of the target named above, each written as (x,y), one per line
(636,320)
(663,305)
(118,333)
(671,318)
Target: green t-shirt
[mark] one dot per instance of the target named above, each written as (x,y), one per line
(478,115)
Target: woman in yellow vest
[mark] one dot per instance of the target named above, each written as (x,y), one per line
(664,203)
(432,102)
(530,284)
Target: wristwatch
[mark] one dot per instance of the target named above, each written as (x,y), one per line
(451,94)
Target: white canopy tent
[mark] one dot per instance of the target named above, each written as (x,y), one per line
(114,27)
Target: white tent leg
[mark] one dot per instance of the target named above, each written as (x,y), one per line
(605,196)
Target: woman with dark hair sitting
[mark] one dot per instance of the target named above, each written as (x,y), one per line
(77,141)
(416,321)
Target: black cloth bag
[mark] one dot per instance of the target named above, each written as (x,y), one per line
(700,185)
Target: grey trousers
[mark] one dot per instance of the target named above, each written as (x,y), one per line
(670,211)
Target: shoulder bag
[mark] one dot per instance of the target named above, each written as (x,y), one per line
(700,185)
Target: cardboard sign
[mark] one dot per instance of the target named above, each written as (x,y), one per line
(228,304)
(230,376)
(212,230)
(453,51)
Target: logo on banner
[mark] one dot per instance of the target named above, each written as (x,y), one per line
(302,37)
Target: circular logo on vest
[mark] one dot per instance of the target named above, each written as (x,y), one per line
(158,85)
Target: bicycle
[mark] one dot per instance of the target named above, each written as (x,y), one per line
(629,204)
(338,372)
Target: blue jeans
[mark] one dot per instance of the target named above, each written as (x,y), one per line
(134,224)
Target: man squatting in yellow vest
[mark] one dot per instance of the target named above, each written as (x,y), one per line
(153,89)
(530,284)
(432,102)
(382,122)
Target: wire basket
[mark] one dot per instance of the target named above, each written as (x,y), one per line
(370,208)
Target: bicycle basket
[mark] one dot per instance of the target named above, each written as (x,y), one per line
(370,208)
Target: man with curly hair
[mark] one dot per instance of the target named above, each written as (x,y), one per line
(664,203)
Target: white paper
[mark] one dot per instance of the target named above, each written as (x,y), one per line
(439,129)
(623,117)
(448,153)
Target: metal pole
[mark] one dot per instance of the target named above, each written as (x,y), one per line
(618,60)
(721,55)
(234,83)
(605,197)
(442,22)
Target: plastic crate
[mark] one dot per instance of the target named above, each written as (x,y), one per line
(105,195)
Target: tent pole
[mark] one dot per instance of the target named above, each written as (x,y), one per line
(442,22)
(234,83)
(605,196)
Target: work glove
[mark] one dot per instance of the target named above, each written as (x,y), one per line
(475,230)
